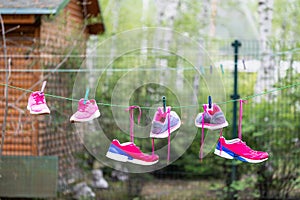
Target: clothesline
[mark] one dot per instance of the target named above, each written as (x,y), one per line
(145,107)
(201,68)
(292,51)
(100,70)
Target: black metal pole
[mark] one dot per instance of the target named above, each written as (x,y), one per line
(236,44)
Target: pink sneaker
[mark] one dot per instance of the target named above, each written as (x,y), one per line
(238,149)
(129,152)
(37,103)
(85,112)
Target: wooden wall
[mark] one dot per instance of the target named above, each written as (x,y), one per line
(43,43)
(22,49)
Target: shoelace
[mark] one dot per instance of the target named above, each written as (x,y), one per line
(39,98)
(240,118)
(239,125)
(130,109)
(166,114)
(202,132)
(169,136)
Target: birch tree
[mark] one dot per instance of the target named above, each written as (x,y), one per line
(166,14)
(204,14)
(115,25)
(143,20)
(266,73)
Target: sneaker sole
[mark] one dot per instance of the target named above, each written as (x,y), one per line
(166,133)
(42,112)
(223,154)
(123,158)
(231,155)
(212,127)
(94,116)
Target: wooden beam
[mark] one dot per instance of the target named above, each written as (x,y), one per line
(19,19)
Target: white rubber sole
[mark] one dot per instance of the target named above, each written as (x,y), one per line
(123,158)
(166,133)
(223,154)
(95,115)
(214,127)
(42,112)
(254,161)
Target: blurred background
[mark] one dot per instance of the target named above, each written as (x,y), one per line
(79,43)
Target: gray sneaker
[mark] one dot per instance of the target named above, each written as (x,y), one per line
(159,128)
(213,119)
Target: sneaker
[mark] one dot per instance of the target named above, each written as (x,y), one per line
(159,128)
(37,103)
(129,152)
(213,119)
(86,112)
(238,149)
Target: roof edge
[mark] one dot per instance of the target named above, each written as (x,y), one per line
(37,11)
(23,11)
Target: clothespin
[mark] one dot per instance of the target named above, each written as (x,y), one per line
(209,102)
(164,103)
(222,70)
(86,96)
(202,70)
(244,64)
(211,69)
(43,86)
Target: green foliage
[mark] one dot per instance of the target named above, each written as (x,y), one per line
(273,129)
(267,126)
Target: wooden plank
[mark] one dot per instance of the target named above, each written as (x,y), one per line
(22,134)
(19,19)
(17,147)
(75,6)
(17,140)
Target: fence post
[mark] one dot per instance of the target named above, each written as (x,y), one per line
(236,44)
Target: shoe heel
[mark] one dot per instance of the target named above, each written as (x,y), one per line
(96,114)
(117,157)
(223,154)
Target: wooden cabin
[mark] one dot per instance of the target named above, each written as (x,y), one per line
(40,35)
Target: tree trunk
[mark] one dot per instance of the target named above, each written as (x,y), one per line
(167,12)
(266,73)
(116,12)
(204,14)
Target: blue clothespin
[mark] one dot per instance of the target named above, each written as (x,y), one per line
(202,70)
(86,96)
(209,102)
(221,66)
(211,69)
(164,103)
(244,64)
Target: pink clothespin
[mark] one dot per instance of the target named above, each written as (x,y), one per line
(43,86)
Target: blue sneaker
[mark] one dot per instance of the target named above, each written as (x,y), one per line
(159,128)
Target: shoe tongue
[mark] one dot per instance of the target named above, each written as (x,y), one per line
(39,96)
(211,112)
(81,105)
